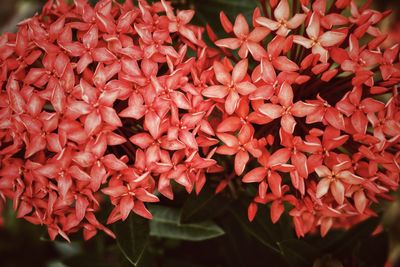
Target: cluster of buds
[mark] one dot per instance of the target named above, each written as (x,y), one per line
(105,102)
(315,120)
(101,101)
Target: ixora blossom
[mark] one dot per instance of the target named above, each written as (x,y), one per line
(104,103)
(317,125)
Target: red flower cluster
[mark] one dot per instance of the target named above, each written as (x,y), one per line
(315,121)
(77,83)
(106,101)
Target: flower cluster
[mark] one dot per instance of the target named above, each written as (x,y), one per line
(310,110)
(101,101)
(106,101)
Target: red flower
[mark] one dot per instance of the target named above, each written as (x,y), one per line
(232,85)
(245,40)
(319,40)
(283,25)
(336,180)
(286,109)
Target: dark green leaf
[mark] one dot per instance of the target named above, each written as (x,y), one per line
(166,223)
(205,206)
(261,228)
(132,237)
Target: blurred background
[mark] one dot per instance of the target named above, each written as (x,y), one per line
(22,244)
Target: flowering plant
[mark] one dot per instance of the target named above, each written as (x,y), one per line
(121,105)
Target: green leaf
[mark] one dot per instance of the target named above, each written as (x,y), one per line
(166,223)
(261,228)
(298,252)
(205,206)
(132,237)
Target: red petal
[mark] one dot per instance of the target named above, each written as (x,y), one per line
(215,91)
(241,28)
(113,163)
(268,23)
(313,27)
(359,121)
(152,124)
(92,122)
(270,110)
(255,175)
(331,38)
(231,102)
(110,116)
(337,190)
(252,211)
(282,63)
(226,24)
(323,187)
(231,43)
(288,123)
(221,74)
(285,95)
(299,160)
(275,184)
(307,43)
(277,209)
(296,21)
(102,54)
(282,11)
(301,109)
(228,139)
(142,140)
(145,196)
(360,201)
(281,156)
(245,88)
(229,124)
(239,71)
(115,191)
(241,159)
(126,205)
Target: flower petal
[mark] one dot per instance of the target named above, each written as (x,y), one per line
(285,95)
(270,110)
(215,91)
(231,43)
(282,11)
(241,159)
(231,102)
(255,175)
(288,123)
(240,71)
(301,109)
(241,28)
(268,23)
(296,21)
(313,27)
(331,38)
(245,88)
(221,74)
(307,43)
(275,184)
(323,187)
(337,190)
